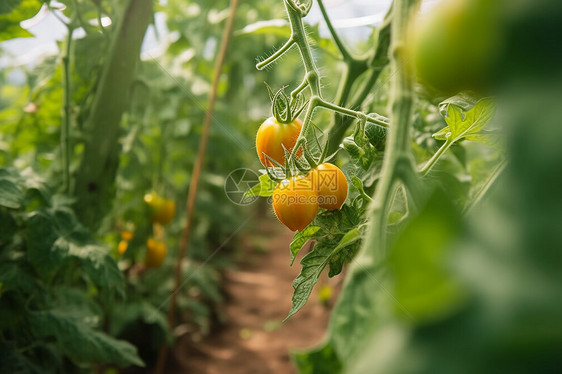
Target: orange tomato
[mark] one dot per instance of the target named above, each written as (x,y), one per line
(272,136)
(127,235)
(295,202)
(330,184)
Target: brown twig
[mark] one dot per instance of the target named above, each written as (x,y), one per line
(195,182)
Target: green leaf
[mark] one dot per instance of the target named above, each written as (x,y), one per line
(312,265)
(88,54)
(8,226)
(317,360)
(11,195)
(462,124)
(350,241)
(300,239)
(360,307)
(463,100)
(69,227)
(80,342)
(100,267)
(442,134)
(77,303)
(376,134)
(13,361)
(7,6)
(492,139)
(325,252)
(14,277)
(45,250)
(128,314)
(12,13)
(419,257)
(264,188)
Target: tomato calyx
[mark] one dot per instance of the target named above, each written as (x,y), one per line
(295,166)
(285,110)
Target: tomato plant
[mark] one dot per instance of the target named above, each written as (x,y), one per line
(448,225)
(295,202)
(274,137)
(418,171)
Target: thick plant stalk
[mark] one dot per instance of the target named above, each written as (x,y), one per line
(65,129)
(195,181)
(398,159)
(95,179)
(367,273)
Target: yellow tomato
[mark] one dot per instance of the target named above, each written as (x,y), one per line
(127,235)
(155,253)
(272,136)
(295,202)
(161,210)
(122,247)
(330,184)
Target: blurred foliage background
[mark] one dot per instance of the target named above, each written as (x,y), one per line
(481,291)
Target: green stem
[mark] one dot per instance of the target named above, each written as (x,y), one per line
(312,77)
(300,39)
(298,90)
(486,186)
(398,158)
(339,125)
(380,120)
(344,52)
(95,177)
(263,64)
(301,141)
(65,129)
(433,160)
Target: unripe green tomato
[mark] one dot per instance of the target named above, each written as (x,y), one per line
(456,46)
(376,135)
(351,147)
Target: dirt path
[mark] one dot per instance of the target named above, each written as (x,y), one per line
(253,339)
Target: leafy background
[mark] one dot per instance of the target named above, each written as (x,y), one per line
(476,292)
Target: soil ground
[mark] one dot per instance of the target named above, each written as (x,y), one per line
(253,339)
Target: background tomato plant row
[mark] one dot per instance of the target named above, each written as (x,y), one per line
(455,287)
(159,132)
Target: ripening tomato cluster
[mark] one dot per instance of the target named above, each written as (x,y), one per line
(162,212)
(126,237)
(297,199)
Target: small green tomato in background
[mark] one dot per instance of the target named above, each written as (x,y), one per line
(456,46)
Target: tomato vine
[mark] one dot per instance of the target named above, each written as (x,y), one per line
(395,178)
